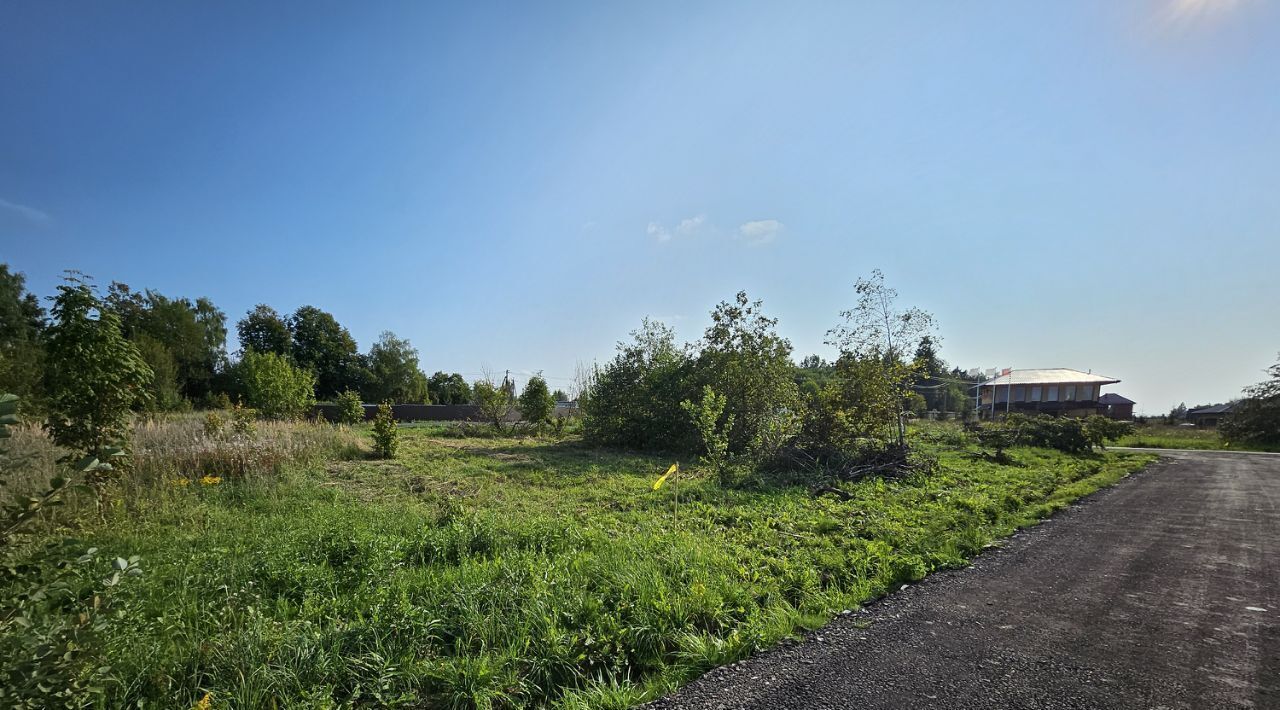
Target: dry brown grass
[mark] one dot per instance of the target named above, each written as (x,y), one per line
(181,447)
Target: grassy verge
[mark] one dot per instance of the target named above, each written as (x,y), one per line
(1160,436)
(497,572)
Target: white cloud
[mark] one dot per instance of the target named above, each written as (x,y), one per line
(29,214)
(760,231)
(687,227)
(690,226)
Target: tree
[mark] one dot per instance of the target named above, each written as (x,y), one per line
(536,403)
(1256,418)
(743,358)
(164,393)
(1177,414)
(323,346)
(634,400)
(21,336)
(93,374)
(927,361)
(274,386)
(492,400)
(194,333)
(448,389)
(877,329)
(560,396)
(394,373)
(264,330)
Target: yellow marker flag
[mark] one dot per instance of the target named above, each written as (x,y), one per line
(663,478)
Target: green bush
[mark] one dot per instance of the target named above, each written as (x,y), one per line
(385,433)
(634,400)
(274,386)
(51,614)
(350,407)
(536,404)
(707,417)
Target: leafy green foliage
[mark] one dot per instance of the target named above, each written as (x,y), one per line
(93,375)
(1100,430)
(325,348)
(876,329)
(21,335)
(536,404)
(743,358)
(394,373)
(634,400)
(494,402)
(274,386)
(386,434)
(350,407)
(194,333)
(164,393)
(1256,418)
(266,331)
(48,623)
(713,427)
(448,389)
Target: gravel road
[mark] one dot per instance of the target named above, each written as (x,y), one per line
(1160,592)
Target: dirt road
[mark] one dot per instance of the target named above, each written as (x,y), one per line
(1160,592)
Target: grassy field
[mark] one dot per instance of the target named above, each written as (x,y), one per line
(506,572)
(1163,436)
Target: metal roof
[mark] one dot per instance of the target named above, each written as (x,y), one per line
(1052,376)
(1215,409)
(1113,398)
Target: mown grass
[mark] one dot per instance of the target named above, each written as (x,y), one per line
(507,572)
(1162,436)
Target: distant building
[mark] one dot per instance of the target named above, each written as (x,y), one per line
(1056,391)
(1210,416)
(1116,406)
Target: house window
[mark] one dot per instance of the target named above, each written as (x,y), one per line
(1071,393)
(1035,394)
(1086,392)
(1053,394)
(1020,394)
(1002,394)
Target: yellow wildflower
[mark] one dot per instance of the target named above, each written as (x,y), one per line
(210,480)
(207,701)
(182,482)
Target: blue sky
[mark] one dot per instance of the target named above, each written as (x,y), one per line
(1084,184)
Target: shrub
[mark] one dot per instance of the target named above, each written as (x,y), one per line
(536,404)
(494,402)
(1099,430)
(385,434)
(274,386)
(634,400)
(213,424)
(350,407)
(50,614)
(244,421)
(706,416)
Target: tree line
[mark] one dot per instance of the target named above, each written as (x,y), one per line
(306,355)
